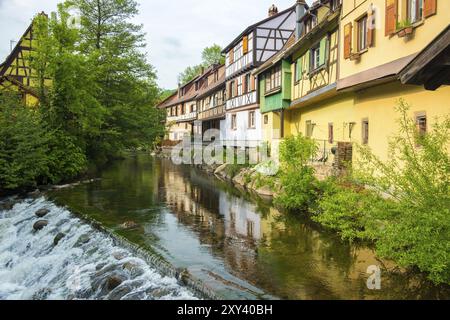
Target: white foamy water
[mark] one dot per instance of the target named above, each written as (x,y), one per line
(85,264)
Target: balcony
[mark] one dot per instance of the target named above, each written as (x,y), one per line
(184,117)
(240,101)
(215,112)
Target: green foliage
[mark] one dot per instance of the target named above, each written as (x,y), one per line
(407,210)
(417,177)
(353,212)
(300,187)
(189,74)
(97,96)
(31,154)
(212,55)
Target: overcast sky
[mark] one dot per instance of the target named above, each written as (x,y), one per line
(177,30)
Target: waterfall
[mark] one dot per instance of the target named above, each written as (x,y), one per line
(85,264)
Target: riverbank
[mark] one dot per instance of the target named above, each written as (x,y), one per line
(356,213)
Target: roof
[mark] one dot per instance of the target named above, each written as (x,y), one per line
(431,67)
(254,26)
(333,17)
(10,58)
(214,87)
(165,103)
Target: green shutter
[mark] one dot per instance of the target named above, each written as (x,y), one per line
(307,61)
(323,51)
(299,69)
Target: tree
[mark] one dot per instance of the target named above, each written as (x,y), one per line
(189,74)
(212,55)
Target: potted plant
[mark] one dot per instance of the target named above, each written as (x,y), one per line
(404,28)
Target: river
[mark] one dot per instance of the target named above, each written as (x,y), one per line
(237,244)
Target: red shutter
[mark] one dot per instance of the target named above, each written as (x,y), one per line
(391,17)
(347,40)
(244,85)
(370,29)
(429,8)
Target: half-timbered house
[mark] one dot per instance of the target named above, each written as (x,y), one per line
(255,45)
(211,100)
(16,72)
(181,108)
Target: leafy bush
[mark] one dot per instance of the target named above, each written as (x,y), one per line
(23,144)
(351,211)
(411,222)
(300,187)
(29,153)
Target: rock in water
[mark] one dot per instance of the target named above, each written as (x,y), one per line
(83,239)
(42,213)
(129,225)
(58,238)
(41,224)
(113,282)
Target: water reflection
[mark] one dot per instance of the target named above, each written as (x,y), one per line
(242,246)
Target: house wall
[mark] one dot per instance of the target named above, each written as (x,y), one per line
(388,48)
(243,133)
(378,105)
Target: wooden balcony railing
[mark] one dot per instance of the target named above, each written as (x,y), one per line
(212,113)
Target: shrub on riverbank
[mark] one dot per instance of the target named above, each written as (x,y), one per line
(407,207)
(30,154)
(299,186)
(402,204)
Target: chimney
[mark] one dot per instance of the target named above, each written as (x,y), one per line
(273,10)
(300,11)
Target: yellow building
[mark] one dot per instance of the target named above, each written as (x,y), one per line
(352,64)
(16,72)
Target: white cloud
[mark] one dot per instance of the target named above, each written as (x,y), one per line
(177,30)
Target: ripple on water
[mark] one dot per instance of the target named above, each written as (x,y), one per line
(85,264)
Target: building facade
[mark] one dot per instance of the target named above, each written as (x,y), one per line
(350,65)
(254,46)
(211,99)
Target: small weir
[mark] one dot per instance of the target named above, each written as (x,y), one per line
(70,259)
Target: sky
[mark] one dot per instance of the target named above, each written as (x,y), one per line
(176,30)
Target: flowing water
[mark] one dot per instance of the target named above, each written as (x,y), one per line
(84,265)
(237,244)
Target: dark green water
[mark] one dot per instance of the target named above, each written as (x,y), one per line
(240,245)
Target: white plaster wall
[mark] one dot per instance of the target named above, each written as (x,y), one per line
(243,132)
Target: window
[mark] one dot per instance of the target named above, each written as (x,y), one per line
(233,122)
(309,129)
(251,119)
(421,123)
(415,10)
(266,119)
(365,131)
(247,83)
(330,133)
(233,89)
(273,79)
(334,4)
(362,33)
(315,58)
(250,228)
